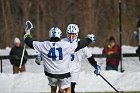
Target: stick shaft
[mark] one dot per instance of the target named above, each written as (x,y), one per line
(22,56)
(109,83)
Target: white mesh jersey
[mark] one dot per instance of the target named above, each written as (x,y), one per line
(75,63)
(55,55)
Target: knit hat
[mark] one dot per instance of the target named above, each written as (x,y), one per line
(16,40)
(111,39)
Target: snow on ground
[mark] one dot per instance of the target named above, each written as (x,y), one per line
(34,80)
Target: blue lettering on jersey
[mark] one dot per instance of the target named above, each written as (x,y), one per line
(60,53)
(52,54)
(72,57)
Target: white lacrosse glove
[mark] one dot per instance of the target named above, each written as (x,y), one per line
(92,37)
(28,27)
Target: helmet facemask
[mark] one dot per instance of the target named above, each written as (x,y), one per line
(55,34)
(72,36)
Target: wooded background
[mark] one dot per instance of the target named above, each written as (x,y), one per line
(100,17)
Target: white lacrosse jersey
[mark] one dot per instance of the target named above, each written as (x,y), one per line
(55,55)
(75,63)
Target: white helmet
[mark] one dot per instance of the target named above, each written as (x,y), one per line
(55,32)
(73,29)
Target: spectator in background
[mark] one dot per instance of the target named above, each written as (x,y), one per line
(112,50)
(15,56)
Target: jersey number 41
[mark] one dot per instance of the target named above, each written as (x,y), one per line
(52,53)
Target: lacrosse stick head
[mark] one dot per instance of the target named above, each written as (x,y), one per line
(28,26)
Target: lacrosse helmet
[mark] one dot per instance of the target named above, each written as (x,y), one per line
(72,32)
(55,32)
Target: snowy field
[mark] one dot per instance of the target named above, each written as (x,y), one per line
(34,80)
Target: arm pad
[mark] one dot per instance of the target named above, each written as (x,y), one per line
(83,43)
(92,61)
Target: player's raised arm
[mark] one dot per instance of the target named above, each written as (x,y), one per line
(91,38)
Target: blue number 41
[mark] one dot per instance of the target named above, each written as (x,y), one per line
(52,53)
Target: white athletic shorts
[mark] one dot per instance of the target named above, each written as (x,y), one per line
(74,77)
(62,83)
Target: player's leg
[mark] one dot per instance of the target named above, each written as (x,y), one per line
(64,85)
(53,89)
(68,90)
(74,78)
(73,87)
(61,90)
(53,83)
